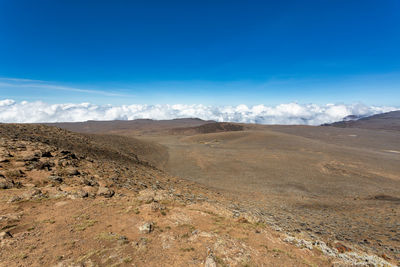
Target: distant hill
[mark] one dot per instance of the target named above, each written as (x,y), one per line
(214,127)
(139,125)
(383,121)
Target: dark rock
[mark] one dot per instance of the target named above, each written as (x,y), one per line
(55,178)
(71,171)
(89,182)
(68,155)
(47,154)
(46,165)
(4,160)
(5,235)
(30,158)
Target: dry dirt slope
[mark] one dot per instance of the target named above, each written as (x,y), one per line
(79,200)
(329,183)
(385,121)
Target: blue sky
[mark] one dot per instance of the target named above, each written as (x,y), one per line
(200,52)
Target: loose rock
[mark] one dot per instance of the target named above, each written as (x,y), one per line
(105,192)
(14,199)
(55,178)
(146,228)
(5,235)
(33,193)
(210,261)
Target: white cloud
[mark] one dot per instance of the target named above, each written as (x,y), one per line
(291,113)
(17,83)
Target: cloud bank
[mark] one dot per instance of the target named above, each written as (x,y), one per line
(291,113)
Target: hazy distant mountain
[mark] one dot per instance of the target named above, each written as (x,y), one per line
(383,121)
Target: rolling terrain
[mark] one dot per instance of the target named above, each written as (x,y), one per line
(384,121)
(203,193)
(69,199)
(320,183)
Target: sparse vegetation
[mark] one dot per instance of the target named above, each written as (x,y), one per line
(84,224)
(198,223)
(50,221)
(187,249)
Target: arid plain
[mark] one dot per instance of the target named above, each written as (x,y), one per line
(313,182)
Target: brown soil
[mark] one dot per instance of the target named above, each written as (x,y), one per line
(260,196)
(81,200)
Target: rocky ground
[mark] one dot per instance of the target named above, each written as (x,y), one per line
(68,199)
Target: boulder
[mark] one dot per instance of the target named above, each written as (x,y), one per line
(4,184)
(146,228)
(82,193)
(44,165)
(5,235)
(149,195)
(210,260)
(105,192)
(89,182)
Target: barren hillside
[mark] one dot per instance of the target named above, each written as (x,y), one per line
(385,121)
(85,200)
(324,183)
